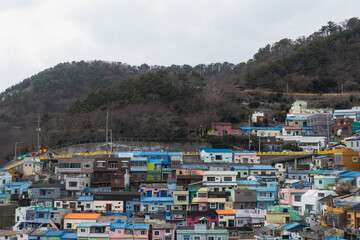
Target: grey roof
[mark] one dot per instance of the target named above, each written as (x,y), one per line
(266,228)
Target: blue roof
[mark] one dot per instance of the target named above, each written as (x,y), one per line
(215,150)
(92,190)
(150,153)
(175,153)
(17,183)
(194,167)
(292,226)
(262,128)
(3,169)
(323,156)
(85,198)
(94,224)
(155,161)
(350,174)
(118,225)
(296,118)
(346,179)
(247,182)
(333,238)
(262,167)
(137,226)
(157,199)
(239,167)
(53,233)
(67,235)
(4,195)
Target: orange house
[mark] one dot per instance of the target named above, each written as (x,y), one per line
(15,174)
(347,159)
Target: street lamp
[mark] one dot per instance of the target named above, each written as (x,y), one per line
(16,143)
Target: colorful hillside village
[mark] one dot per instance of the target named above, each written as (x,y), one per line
(209,194)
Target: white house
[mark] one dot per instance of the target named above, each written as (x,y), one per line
(210,155)
(306,143)
(354,144)
(5,177)
(219,181)
(310,201)
(76,184)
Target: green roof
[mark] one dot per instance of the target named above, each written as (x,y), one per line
(314,171)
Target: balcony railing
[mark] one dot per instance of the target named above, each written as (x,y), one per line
(266,198)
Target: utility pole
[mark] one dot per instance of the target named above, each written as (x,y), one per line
(259,143)
(332,216)
(328,131)
(111,142)
(38,133)
(107,127)
(249,135)
(16,143)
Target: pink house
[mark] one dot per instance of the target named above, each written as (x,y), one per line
(210,218)
(222,128)
(246,158)
(154,189)
(163,231)
(123,231)
(292,195)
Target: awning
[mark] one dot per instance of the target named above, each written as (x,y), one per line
(203,219)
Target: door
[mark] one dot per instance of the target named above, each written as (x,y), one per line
(149,193)
(108,207)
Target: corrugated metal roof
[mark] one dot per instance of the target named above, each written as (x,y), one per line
(137,226)
(53,233)
(247,182)
(194,167)
(347,179)
(85,198)
(4,195)
(67,235)
(293,225)
(263,167)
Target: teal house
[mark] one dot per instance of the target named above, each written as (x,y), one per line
(323,182)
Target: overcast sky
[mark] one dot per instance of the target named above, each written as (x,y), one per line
(39,34)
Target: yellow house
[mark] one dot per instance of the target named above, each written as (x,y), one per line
(347,159)
(15,175)
(353,217)
(72,220)
(181,200)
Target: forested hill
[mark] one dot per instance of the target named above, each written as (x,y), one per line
(177,101)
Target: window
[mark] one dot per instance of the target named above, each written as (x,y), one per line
(320,181)
(73,184)
(124,164)
(181,198)
(218,157)
(212,179)
(58,204)
(101,164)
(355,159)
(227,179)
(349,216)
(156,233)
(119,231)
(321,194)
(113,165)
(168,230)
(262,194)
(297,198)
(88,205)
(41,215)
(82,230)
(48,204)
(143,232)
(87,165)
(68,225)
(248,194)
(212,205)
(211,238)
(197,238)
(201,194)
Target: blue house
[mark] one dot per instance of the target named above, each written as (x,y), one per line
(297,175)
(17,187)
(266,195)
(156,204)
(37,217)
